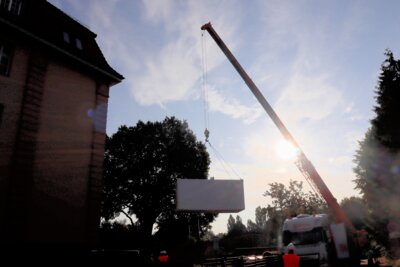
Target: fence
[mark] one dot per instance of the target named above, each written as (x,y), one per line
(269,261)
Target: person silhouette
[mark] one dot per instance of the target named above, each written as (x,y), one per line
(290,259)
(163,257)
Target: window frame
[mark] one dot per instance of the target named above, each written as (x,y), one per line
(78,43)
(66,37)
(8,50)
(1,113)
(12,6)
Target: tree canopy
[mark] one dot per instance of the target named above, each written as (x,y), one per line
(378,157)
(356,210)
(235,227)
(292,200)
(141,166)
(287,201)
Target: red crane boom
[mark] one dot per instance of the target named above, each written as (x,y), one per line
(303,164)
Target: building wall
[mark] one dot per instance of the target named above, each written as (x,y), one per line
(11,94)
(63,156)
(51,149)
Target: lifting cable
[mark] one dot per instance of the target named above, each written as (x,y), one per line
(204,87)
(223,162)
(219,157)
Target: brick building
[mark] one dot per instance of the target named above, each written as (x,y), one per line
(54,85)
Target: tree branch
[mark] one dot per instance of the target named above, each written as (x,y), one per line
(129,217)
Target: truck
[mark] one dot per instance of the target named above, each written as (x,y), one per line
(317,240)
(332,243)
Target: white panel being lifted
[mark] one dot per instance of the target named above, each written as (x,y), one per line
(210,195)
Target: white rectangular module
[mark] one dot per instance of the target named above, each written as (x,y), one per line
(210,195)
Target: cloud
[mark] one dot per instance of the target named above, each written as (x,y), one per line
(169,69)
(157,11)
(168,77)
(298,42)
(217,102)
(307,97)
(352,114)
(172,73)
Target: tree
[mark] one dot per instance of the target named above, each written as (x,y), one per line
(141,166)
(236,227)
(378,157)
(288,202)
(237,236)
(356,210)
(260,220)
(231,223)
(261,217)
(292,200)
(117,235)
(259,228)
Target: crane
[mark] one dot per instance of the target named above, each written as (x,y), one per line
(302,162)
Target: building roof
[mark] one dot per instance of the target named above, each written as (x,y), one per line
(46,24)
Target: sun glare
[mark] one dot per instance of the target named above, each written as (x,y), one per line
(285,150)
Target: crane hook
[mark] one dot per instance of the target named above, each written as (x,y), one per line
(206,134)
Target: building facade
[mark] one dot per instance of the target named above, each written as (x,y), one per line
(54,88)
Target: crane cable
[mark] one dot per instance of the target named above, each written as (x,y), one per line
(204,87)
(219,157)
(224,162)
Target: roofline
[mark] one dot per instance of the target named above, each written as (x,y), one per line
(76,21)
(110,75)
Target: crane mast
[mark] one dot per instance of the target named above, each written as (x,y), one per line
(304,165)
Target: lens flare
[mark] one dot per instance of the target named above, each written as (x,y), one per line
(286,150)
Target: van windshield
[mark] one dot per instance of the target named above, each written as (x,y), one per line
(303,238)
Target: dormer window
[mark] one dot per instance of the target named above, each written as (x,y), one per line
(12,6)
(78,43)
(72,40)
(66,37)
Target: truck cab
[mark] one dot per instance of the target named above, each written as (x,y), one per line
(311,237)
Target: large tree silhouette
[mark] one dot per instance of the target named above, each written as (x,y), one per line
(141,166)
(378,157)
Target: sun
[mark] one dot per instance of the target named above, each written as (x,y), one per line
(286,150)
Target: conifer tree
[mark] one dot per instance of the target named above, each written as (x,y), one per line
(378,157)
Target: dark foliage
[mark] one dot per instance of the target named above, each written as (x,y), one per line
(378,157)
(141,166)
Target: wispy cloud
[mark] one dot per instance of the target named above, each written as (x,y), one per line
(169,76)
(218,102)
(302,46)
(308,98)
(158,11)
(352,114)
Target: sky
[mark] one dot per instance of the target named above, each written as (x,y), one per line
(316,62)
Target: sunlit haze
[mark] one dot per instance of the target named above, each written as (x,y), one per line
(286,150)
(316,62)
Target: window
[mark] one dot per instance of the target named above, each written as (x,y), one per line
(1,112)
(12,6)
(303,238)
(78,43)
(5,56)
(71,39)
(66,37)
